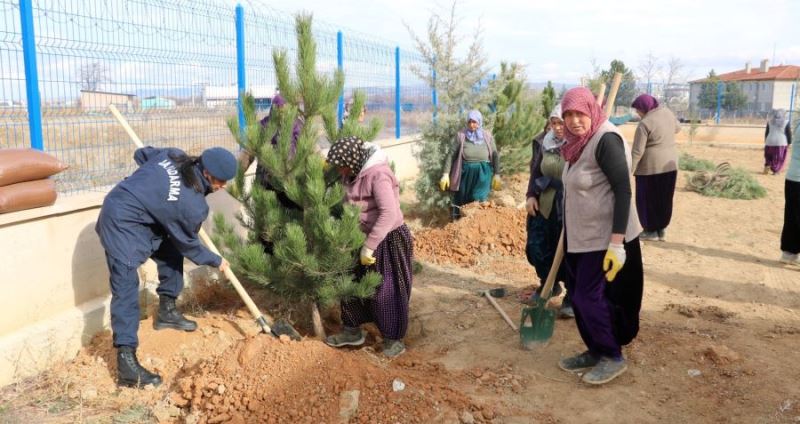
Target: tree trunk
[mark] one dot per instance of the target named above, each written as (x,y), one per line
(316,319)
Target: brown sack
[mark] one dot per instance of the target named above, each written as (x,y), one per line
(27,195)
(20,165)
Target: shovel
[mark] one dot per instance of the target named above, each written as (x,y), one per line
(279,327)
(536,325)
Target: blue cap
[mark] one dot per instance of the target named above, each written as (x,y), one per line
(220,163)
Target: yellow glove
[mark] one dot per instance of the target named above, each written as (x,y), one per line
(496,183)
(367,256)
(325,165)
(614,260)
(444,183)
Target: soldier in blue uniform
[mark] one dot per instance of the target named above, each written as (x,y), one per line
(156,213)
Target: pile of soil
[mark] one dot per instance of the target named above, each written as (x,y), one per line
(262,379)
(484,229)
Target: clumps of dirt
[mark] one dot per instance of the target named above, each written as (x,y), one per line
(711,313)
(501,380)
(485,228)
(276,381)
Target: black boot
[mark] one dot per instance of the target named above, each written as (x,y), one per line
(169,317)
(130,372)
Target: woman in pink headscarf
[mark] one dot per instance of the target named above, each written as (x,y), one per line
(603,257)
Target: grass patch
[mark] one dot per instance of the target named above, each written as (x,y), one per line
(723,181)
(687,162)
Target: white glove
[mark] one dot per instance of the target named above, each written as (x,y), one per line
(367,256)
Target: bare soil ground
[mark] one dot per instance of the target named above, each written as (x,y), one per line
(718,342)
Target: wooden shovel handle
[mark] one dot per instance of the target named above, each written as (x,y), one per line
(551,276)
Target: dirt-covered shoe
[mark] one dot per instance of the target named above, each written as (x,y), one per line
(393,348)
(348,337)
(605,370)
(648,236)
(662,234)
(578,363)
(790,258)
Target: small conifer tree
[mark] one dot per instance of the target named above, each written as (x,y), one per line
(314,248)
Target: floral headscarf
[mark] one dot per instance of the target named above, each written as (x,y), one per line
(580,99)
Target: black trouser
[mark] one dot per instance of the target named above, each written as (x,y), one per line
(790,236)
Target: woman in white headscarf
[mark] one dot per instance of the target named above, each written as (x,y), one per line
(544,205)
(473,168)
(777,139)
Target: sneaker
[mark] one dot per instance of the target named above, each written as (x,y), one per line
(662,234)
(648,236)
(790,258)
(578,363)
(348,337)
(393,348)
(605,370)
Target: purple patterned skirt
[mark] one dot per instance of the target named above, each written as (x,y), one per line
(388,307)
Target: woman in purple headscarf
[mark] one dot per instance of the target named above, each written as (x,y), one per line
(777,139)
(473,169)
(262,176)
(654,162)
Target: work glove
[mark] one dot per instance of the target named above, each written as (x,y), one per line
(614,260)
(496,183)
(444,183)
(367,256)
(532,206)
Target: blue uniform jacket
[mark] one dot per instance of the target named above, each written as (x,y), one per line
(151,206)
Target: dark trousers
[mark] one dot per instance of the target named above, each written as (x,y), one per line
(607,313)
(790,236)
(125,291)
(540,249)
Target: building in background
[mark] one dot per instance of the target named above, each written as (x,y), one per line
(227,96)
(98,101)
(157,102)
(766,87)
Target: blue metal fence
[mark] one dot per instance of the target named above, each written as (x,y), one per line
(175,70)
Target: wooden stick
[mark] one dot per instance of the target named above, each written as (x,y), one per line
(601,94)
(502,312)
(612,95)
(248,301)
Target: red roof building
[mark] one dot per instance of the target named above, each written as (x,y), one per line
(767,87)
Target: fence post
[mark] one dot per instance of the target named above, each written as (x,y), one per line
(397,92)
(31,74)
(434,99)
(340,63)
(720,86)
(240,65)
(649,88)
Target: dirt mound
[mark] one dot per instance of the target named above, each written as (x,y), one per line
(267,380)
(484,229)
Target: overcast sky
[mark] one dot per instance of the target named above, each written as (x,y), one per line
(557,40)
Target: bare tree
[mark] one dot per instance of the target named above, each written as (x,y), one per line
(92,75)
(674,70)
(649,67)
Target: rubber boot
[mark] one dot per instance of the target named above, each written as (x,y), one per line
(130,373)
(169,317)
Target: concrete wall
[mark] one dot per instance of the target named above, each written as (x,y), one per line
(54,279)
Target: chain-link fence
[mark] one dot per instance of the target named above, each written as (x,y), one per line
(175,69)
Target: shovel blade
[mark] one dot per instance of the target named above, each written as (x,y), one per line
(536,325)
